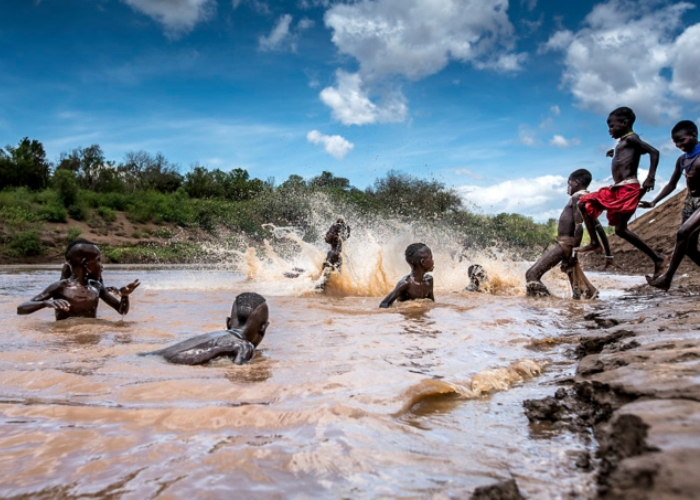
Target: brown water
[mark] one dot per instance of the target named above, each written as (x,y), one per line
(341,400)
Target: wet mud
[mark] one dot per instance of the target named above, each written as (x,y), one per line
(635,395)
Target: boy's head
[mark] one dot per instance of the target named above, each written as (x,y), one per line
(249,312)
(685,135)
(578,180)
(620,121)
(85,254)
(418,254)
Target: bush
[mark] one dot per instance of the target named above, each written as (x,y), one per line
(26,244)
(67,186)
(53,213)
(73,233)
(77,212)
(107,214)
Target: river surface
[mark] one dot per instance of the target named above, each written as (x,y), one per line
(341,400)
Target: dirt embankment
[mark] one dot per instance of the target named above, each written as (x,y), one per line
(123,241)
(637,386)
(657,228)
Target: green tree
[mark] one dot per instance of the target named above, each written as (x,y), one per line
(24,165)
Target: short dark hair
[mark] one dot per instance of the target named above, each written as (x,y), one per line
(413,250)
(583,176)
(626,113)
(686,125)
(79,241)
(245,303)
(73,255)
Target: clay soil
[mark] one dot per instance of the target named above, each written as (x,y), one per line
(637,386)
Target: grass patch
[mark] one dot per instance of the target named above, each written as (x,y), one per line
(151,254)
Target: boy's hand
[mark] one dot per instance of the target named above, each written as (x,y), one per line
(648,184)
(610,153)
(126,290)
(61,304)
(646,204)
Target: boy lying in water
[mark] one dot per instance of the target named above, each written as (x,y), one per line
(418,284)
(80,293)
(245,329)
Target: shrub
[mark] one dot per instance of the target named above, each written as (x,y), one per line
(26,244)
(107,214)
(67,186)
(73,233)
(77,212)
(53,213)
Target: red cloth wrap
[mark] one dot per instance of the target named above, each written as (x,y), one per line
(616,200)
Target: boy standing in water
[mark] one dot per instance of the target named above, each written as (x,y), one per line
(569,236)
(245,329)
(418,284)
(685,137)
(620,200)
(80,294)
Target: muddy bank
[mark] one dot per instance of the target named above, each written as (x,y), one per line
(637,391)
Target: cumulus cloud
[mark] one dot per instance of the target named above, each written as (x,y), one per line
(560,141)
(525,196)
(350,103)
(335,145)
(417,38)
(177,16)
(622,53)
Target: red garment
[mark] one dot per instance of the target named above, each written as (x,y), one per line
(616,200)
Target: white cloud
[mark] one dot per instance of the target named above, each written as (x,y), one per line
(467,172)
(257,5)
(555,110)
(278,36)
(335,145)
(560,141)
(619,57)
(525,196)
(417,38)
(351,105)
(178,16)
(527,136)
(283,36)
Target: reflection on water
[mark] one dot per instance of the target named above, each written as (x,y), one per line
(343,399)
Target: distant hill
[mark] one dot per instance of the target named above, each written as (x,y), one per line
(658,228)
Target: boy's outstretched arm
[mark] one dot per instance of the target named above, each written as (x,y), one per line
(120,305)
(667,189)
(395,294)
(645,148)
(44,299)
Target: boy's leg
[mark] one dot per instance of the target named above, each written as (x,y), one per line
(535,288)
(591,223)
(684,236)
(623,232)
(692,252)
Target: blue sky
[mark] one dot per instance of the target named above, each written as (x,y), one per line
(499,99)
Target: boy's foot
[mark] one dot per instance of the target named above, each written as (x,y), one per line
(536,289)
(659,282)
(610,262)
(591,247)
(660,266)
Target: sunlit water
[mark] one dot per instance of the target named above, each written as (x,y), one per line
(341,400)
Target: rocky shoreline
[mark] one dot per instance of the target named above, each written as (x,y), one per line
(637,392)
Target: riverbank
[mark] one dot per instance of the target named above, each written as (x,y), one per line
(637,391)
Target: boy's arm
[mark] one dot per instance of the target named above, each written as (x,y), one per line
(667,189)
(45,299)
(645,148)
(120,305)
(395,294)
(430,284)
